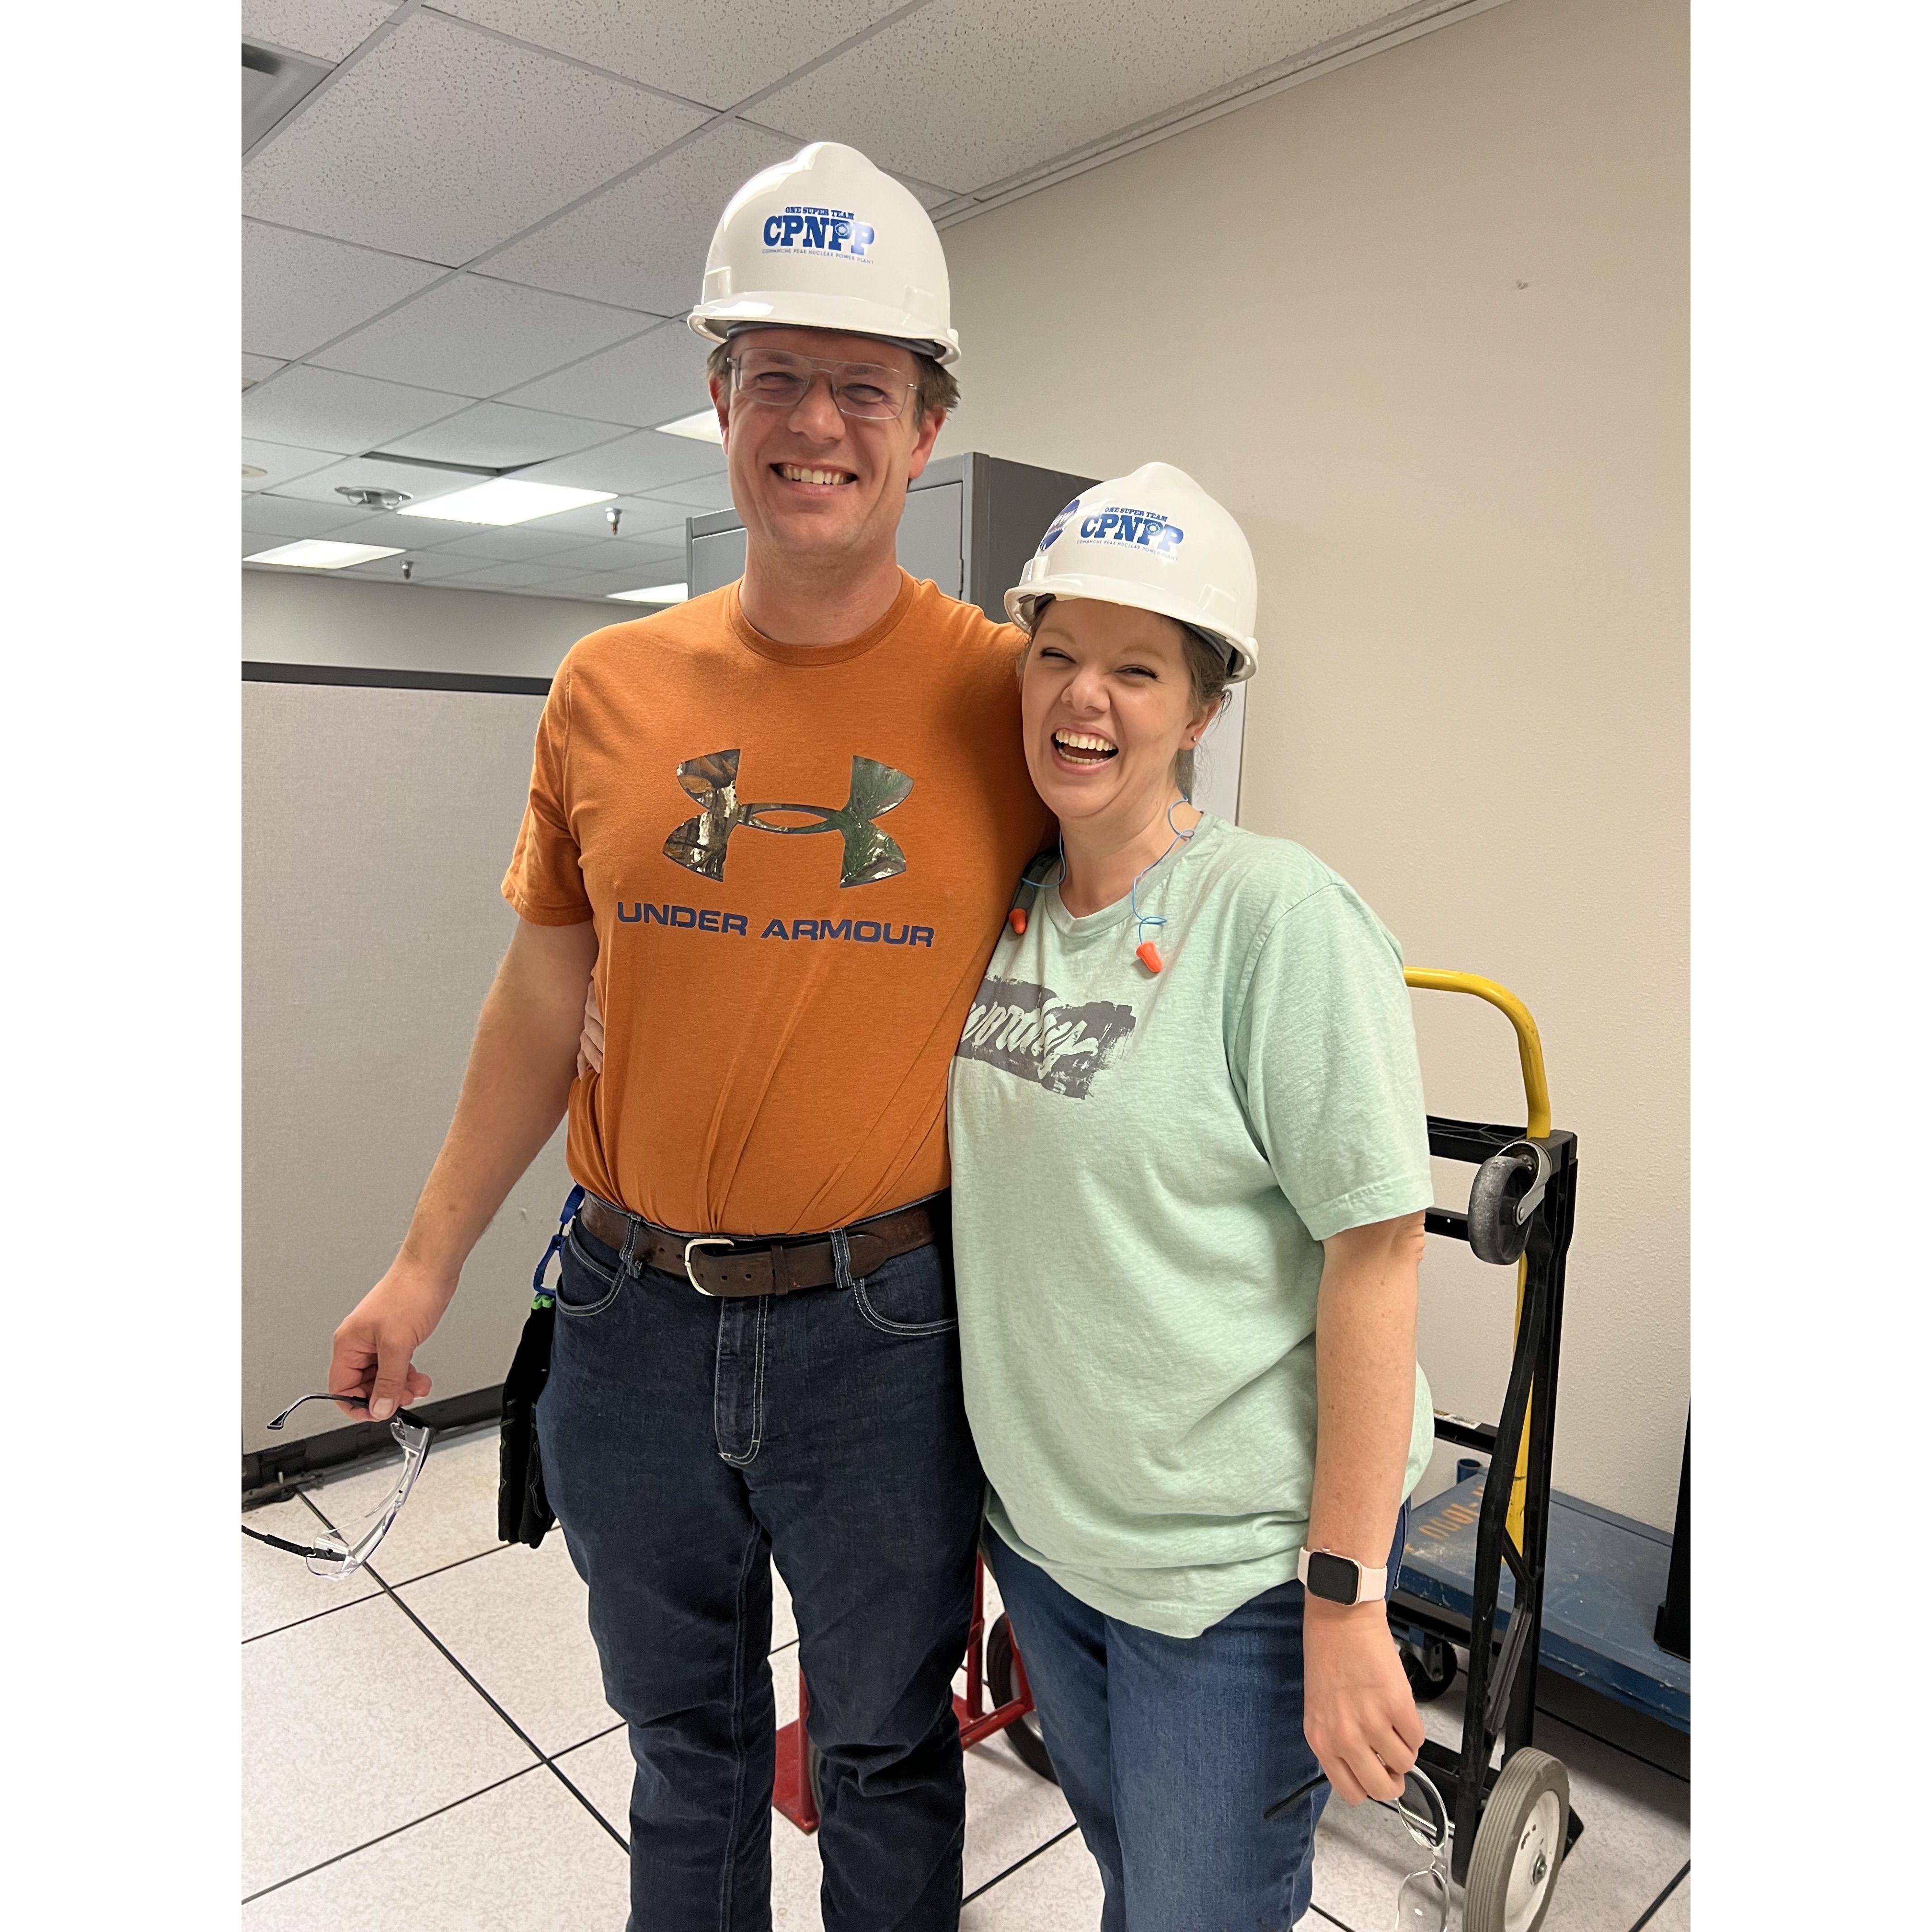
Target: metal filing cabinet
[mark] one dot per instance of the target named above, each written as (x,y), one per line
(970,522)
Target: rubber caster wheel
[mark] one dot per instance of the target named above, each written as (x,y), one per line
(1023,1735)
(1496,1235)
(1519,1848)
(1431,1671)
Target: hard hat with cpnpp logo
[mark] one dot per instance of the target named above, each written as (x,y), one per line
(827,241)
(1156,540)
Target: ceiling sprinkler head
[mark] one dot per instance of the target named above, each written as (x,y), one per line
(610,517)
(373,500)
(409,570)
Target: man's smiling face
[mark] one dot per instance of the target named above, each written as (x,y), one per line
(809,482)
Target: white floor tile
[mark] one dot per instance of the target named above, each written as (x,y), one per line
(1010,1811)
(277,1587)
(451,1512)
(1058,1892)
(353,1724)
(525,1857)
(518,1621)
(1674,1914)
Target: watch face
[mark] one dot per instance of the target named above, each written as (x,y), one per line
(1334,1579)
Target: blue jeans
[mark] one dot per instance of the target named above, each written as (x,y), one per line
(1169,1749)
(685,1441)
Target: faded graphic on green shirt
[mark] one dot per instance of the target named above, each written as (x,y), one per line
(1145,1167)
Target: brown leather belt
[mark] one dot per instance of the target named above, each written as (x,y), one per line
(734,1265)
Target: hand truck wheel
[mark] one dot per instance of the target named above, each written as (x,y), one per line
(1519,1847)
(1496,1196)
(1430,1670)
(1024,1733)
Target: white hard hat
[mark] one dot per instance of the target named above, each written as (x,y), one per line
(825,241)
(1155,540)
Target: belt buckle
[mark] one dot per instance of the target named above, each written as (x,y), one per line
(703,1241)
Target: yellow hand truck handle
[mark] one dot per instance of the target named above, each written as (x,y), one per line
(1528,1042)
(1536,1098)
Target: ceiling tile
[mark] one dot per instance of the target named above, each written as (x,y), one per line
(651,378)
(642,519)
(615,557)
(604,583)
(371,473)
(441,142)
(500,437)
(700,493)
(715,54)
(638,464)
(299,290)
(507,577)
(280,464)
(254,367)
(429,566)
(480,336)
(323,409)
(979,128)
(328,30)
(515,543)
(642,242)
(288,517)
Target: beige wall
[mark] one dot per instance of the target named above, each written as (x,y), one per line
(1422,323)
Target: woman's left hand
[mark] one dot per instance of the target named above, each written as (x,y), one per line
(1358,1711)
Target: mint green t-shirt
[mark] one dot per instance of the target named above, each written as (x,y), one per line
(1145,1167)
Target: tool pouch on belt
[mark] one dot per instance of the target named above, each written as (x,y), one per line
(523,1513)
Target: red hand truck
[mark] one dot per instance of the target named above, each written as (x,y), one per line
(992,1666)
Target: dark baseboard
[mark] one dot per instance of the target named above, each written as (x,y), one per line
(254,672)
(269,1474)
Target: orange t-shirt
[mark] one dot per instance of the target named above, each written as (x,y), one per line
(798,858)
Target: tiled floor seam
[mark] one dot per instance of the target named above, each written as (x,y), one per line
(295,1622)
(395,1832)
(977,1891)
(1656,1905)
(1329,1916)
(455,1663)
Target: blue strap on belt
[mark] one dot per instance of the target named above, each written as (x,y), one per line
(540,1296)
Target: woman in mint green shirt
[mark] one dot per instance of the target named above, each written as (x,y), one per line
(1190,1159)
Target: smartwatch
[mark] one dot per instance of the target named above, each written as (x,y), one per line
(1340,1579)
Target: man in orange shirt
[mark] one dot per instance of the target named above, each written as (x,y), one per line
(782,823)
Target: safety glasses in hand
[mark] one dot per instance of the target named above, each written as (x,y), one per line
(870,391)
(343,1553)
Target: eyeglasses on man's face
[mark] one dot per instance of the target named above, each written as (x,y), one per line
(775,378)
(339,1553)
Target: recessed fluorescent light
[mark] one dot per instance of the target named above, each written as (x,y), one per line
(703,427)
(312,554)
(505,501)
(657,593)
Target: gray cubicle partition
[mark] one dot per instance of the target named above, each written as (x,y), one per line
(376,824)
(969,523)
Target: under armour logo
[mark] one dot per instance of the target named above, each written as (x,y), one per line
(700,844)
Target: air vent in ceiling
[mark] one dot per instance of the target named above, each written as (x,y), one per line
(273,84)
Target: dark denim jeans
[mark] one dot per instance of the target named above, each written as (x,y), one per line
(686,1440)
(1169,1749)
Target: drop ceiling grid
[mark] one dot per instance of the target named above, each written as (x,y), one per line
(465,244)
(443,142)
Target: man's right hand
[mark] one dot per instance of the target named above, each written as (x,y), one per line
(371,1366)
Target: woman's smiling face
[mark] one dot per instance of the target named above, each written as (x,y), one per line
(1106,703)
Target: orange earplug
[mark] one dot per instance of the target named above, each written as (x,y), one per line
(1016,919)
(1148,954)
